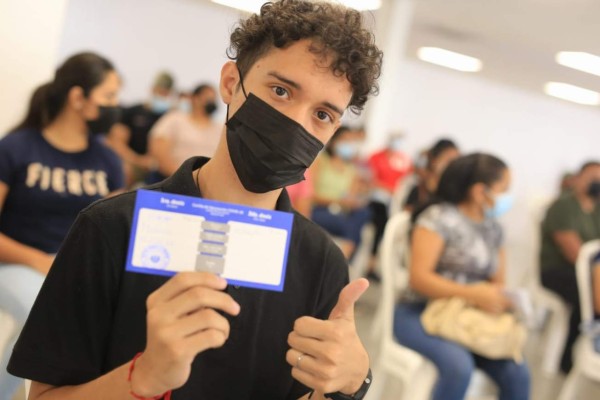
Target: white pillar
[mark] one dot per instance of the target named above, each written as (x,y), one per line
(30,32)
(394,21)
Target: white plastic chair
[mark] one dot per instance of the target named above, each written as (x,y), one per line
(416,373)
(7,328)
(587,360)
(401,194)
(362,256)
(557,328)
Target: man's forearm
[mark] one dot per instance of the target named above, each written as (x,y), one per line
(112,386)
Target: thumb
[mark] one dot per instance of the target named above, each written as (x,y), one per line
(344,309)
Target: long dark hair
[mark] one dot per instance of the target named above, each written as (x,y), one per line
(86,70)
(460,176)
(438,149)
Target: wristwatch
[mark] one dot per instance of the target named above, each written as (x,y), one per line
(359,395)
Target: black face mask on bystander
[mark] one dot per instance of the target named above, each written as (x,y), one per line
(268,150)
(107,118)
(594,190)
(210,108)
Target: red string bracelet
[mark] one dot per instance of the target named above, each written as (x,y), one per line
(165,396)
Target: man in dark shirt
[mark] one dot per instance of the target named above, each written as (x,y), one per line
(129,138)
(298,66)
(571,220)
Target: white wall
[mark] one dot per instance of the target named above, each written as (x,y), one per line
(538,136)
(29,37)
(141,37)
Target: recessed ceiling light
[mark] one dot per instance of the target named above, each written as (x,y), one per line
(579,60)
(449,59)
(253,6)
(572,93)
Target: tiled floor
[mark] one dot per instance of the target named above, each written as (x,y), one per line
(543,387)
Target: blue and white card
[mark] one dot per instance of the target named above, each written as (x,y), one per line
(173,233)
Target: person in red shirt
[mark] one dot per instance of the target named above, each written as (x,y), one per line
(390,165)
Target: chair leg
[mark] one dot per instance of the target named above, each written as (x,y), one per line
(569,388)
(377,324)
(377,389)
(556,335)
(420,387)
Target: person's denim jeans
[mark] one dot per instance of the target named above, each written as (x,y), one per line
(19,286)
(346,225)
(454,363)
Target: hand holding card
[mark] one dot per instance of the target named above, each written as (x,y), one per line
(182,321)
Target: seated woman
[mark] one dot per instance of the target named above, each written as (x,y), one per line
(340,201)
(51,167)
(457,251)
(438,157)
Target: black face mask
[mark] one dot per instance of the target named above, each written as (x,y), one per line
(268,150)
(107,118)
(594,190)
(210,108)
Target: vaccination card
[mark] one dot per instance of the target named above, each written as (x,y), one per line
(173,233)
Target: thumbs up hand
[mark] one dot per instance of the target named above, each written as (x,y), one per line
(328,356)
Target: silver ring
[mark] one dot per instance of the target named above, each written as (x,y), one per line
(298,360)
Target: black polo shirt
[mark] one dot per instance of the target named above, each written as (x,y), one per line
(90,316)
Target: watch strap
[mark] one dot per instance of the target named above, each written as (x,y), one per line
(359,395)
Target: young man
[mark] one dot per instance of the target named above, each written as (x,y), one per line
(299,65)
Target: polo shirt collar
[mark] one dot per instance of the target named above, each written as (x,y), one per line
(182,182)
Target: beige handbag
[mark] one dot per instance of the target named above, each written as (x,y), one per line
(492,336)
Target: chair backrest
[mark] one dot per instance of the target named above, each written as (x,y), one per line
(392,257)
(401,194)
(583,267)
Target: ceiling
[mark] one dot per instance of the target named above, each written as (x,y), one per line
(516,39)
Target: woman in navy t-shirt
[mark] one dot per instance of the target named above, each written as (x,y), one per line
(51,166)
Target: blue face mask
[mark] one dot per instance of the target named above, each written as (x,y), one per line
(397,144)
(185,106)
(502,204)
(346,150)
(160,105)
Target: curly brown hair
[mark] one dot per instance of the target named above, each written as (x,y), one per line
(335,30)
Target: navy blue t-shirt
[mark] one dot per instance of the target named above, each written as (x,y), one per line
(48,187)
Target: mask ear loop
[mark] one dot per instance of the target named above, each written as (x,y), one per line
(243,91)
(241,81)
